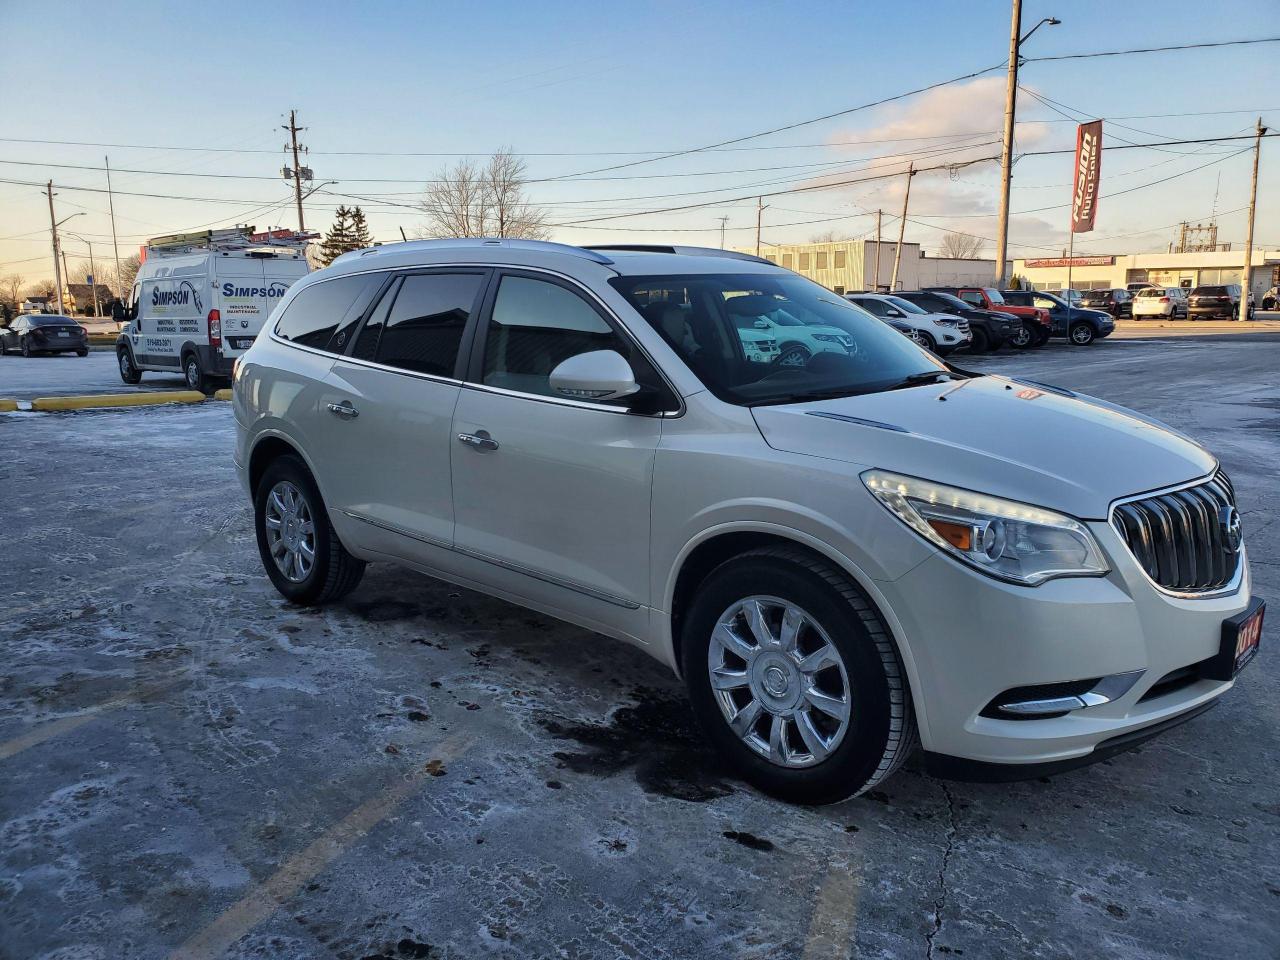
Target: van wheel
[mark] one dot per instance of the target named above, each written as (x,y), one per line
(196,378)
(794,677)
(300,550)
(128,372)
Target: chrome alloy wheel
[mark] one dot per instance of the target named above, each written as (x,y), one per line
(779,681)
(291,531)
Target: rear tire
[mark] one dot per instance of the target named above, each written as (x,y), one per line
(82,352)
(330,572)
(861,676)
(193,373)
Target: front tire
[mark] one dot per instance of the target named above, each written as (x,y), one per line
(1082,335)
(1024,338)
(926,340)
(128,372)
(793,355)
(26,347)
(979,341)
(300,550)
(794,677)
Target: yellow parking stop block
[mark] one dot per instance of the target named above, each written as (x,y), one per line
(7,405)
(224,394)
(153,398)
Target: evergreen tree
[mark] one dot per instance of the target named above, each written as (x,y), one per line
(337,240)
(359,236)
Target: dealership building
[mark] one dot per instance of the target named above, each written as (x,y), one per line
(1192,269)
(851,265)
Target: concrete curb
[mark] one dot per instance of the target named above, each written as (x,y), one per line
(114,400)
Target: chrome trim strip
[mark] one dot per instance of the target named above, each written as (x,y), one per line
(497,562)
(1104,691)
(858,420)
(1231,587)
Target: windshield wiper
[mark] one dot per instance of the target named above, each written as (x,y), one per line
(918,379)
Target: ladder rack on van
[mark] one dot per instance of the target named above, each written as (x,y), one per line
(234,239)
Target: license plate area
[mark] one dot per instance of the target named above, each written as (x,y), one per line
(1241,637)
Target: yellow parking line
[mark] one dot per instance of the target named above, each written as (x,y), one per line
(117,400)
(265,898)
(835,916)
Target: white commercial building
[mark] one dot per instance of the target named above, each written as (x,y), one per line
(1162,269)
(849,265)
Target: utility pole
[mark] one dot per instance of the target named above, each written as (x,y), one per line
(760,209)
(115,246)
(902,229)
(875,284)
(1247,276)
(723,221)
(67,274)
(1006,149)
(297,170)
(53,227)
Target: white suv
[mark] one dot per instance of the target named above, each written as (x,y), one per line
(836,556)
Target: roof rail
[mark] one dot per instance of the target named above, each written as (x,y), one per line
(682,250)
(546,246)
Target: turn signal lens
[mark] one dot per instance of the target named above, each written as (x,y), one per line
(959,535)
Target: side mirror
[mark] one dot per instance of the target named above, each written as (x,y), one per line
(598,375)
(761,324)
(117,312)
(894,312)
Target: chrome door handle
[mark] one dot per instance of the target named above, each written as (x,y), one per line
(344,409)
(481,440)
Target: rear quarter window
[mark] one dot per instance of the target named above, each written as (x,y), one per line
(323,314)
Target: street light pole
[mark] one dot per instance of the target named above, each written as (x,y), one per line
(1006,150)
(93,271)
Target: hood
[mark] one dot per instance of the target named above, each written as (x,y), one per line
(1038,445)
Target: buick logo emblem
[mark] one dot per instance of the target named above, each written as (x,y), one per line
(1229,524)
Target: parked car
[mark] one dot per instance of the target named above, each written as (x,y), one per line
(32,333)
(941,333)
(792,341)
(1170,302)
(1084,326)
(1271,299)
(1118,303)
(1217,301)
(1036,326)
(833,560)
(989,329)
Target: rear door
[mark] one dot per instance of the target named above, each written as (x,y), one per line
(246,290)
(388,405)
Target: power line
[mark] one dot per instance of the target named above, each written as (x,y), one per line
(1180,46)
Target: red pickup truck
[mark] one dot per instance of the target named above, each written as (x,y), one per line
(1037,325)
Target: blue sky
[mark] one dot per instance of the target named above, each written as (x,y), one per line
(583,78)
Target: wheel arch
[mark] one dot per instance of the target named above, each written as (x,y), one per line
(714,546)
(269,447)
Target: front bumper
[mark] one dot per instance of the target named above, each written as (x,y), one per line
(972,638)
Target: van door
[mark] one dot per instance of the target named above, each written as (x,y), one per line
(246,290)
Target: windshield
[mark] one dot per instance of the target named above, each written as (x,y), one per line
(906,305)
(704,318)
(993,295)
(1047,300)
(949,300)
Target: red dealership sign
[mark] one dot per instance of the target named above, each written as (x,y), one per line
(1084,198)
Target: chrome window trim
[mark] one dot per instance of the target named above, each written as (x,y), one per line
(498,562)
(1231,587)
(664,414)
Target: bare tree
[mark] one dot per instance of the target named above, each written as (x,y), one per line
(960,246)
(41,288)
(11,287)
(827,236)
(470,200)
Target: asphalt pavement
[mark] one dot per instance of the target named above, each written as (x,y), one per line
(192,768)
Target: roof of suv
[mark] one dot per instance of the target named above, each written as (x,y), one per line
(623,259)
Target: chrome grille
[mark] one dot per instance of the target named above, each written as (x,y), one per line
(1180,538)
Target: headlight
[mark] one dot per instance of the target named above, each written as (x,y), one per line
(828,337)
(944,322)
(1004,539)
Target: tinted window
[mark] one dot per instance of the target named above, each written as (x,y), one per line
(1210,291)
(425,325)
(366,345)
(871,304)
(50,320)
(973,297)
(535,325)
(322,314)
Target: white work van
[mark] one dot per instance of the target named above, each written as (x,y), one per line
(200,299)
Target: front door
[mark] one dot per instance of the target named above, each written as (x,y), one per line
(553,489)
(389,403)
